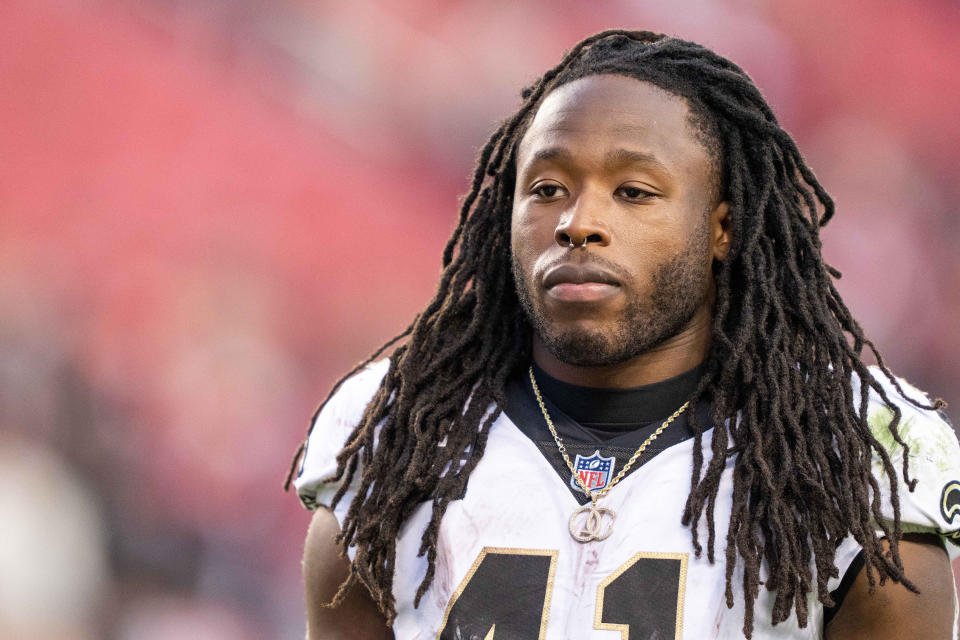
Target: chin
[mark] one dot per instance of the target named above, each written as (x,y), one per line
(595,344)
(585,348)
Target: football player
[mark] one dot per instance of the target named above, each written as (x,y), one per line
(637,404)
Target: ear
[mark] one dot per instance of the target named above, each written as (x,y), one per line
(721,235)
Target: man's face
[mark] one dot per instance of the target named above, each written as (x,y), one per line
(615,162)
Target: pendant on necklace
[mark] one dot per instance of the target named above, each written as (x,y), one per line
(589,522)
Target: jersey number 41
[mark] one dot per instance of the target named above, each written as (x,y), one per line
(507,594)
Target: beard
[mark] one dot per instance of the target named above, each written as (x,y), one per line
(680,287)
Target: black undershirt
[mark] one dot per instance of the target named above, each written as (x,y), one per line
(614,421)
(608,413)
(619,420)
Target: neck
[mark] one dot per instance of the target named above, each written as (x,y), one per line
(678,354)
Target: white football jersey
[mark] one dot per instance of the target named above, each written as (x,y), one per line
(508,567)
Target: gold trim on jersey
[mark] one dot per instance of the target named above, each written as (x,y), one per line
(681,590)
(545,613)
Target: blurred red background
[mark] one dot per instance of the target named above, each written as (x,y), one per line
(208,210)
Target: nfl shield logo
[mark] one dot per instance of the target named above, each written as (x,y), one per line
(595,471)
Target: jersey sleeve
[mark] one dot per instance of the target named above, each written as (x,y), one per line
(934,462)
(331,429)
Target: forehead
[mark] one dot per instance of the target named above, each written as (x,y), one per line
(598,113)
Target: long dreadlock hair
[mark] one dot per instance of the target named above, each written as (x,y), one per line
(779,374)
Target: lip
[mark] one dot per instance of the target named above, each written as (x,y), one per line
(578,274)
(580,283)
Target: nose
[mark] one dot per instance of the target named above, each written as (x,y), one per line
(583,223)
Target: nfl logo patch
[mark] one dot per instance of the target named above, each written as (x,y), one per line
(595,471)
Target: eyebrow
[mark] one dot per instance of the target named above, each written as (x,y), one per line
(614,158)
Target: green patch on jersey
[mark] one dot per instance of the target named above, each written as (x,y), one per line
(929,440)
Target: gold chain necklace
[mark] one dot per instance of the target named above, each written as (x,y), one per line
(591,527)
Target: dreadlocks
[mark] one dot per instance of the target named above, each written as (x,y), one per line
(785,351)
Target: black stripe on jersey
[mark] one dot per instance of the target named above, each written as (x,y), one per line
(838,594)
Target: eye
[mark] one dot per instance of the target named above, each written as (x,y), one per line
(547,190)
(635,193)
